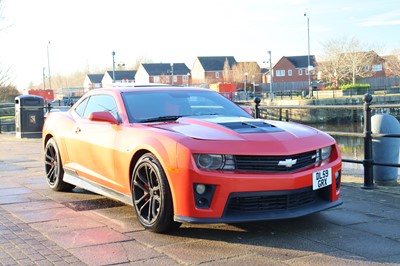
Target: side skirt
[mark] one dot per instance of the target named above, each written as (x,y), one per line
(73,178)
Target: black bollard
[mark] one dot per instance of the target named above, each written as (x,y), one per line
(368,160)
(257,100)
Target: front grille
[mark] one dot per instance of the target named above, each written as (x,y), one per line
(271,163)
(271,201)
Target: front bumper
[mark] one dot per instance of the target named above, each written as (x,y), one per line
(271,205)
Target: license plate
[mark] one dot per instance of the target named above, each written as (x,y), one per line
(322,178)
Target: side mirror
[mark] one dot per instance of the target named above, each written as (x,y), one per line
(103,116)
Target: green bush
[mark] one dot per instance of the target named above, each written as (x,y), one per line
(330,87)
(355,87)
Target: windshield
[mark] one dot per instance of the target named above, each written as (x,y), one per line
(153,106)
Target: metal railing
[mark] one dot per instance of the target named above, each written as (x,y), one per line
(7,110)
(367,134)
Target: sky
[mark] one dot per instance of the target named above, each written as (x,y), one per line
(77,35)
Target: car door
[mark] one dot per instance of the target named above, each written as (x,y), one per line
(91,148)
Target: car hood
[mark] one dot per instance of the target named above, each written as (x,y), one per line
(236,128)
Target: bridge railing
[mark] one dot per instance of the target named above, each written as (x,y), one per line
(368,161)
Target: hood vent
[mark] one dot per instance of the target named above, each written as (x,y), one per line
(251,127)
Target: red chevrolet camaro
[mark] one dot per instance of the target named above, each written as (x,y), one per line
(189,155)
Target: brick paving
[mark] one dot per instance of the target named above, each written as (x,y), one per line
(41,227)
(20,244)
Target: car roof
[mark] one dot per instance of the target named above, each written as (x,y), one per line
(149,87)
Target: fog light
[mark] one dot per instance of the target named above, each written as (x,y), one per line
(200,189)
(202,202)
(203,195)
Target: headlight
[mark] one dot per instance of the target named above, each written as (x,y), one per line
(214,161)
(324,153)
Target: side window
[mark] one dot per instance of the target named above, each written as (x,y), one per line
(99,103)
(80,109)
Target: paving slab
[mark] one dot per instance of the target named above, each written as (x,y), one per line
(41,227)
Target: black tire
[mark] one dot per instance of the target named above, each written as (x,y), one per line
(151,195)
(54,169)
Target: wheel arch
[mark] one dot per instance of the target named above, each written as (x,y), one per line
(135,158)
(46,139)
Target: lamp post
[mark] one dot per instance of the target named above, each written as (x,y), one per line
(44,78)
(309,63)
(188,79)
(172,73)
(271,72)
(113,61)
(245,81)
(48,63)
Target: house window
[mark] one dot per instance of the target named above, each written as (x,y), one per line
(175,78)
(156,79)
(289,72)
(185,78)
(217,75)
(376,68)
(300,72)
(280,73)
(366,68)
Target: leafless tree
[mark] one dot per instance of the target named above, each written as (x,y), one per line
(250,71)
(8,93)
(346,60)
(5,72)
(392,64)
(227,72)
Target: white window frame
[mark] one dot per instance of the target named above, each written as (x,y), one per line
(217,75)
(156,79)
(280,73)
(290,72)
(377,68)
(300,72)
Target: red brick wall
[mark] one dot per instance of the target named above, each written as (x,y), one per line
(285,64)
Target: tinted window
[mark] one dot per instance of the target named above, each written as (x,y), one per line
(80,109)
(145,105)
(98,103)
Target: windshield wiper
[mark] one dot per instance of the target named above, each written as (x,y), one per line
(161,118)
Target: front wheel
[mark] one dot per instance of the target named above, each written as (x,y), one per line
(151,195)
(53,168)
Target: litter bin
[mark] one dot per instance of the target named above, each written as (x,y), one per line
(29,116)
(385,150)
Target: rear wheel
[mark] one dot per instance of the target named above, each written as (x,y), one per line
(53,168)
(151,195)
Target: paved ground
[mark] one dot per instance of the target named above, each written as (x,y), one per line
(42,227)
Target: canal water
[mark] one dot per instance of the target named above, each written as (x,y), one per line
(350,147)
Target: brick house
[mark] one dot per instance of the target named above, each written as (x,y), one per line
(210,69)
(93,81)
(165,73)
(292,69)
(121,76)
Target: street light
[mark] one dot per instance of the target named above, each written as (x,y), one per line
(113,77)
(309,64)
(270,75)
(48,63)
(44,78)
(172,73)
(188,79)
(245,81)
